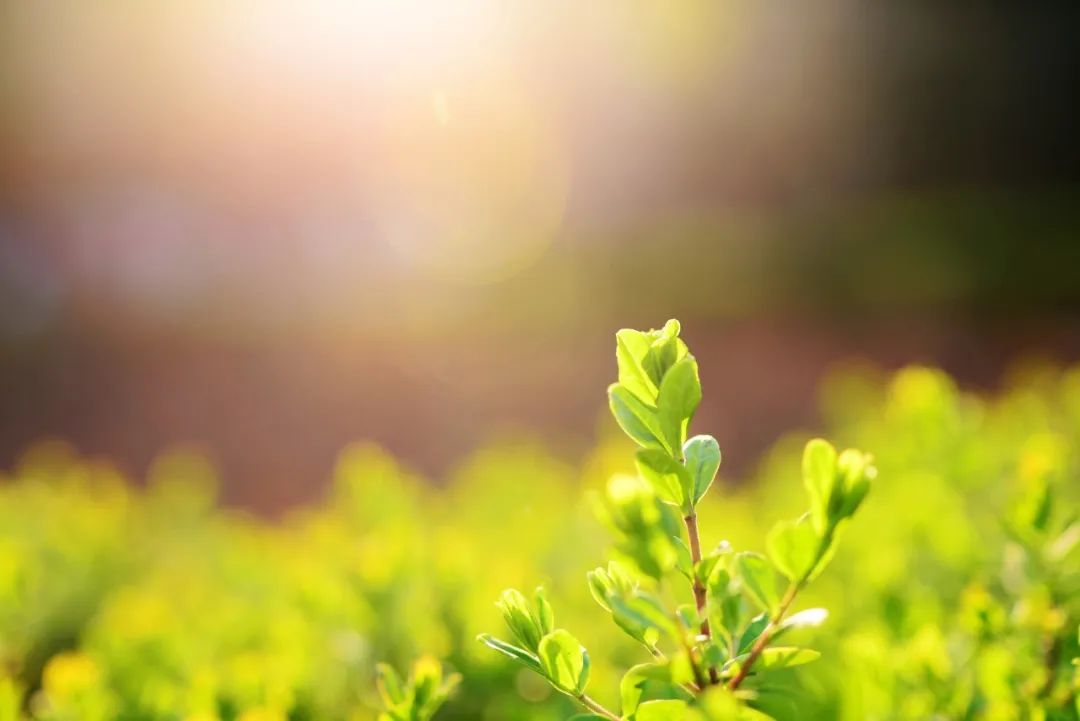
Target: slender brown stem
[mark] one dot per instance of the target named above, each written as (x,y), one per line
(699,587)
(766,635)
(596,708)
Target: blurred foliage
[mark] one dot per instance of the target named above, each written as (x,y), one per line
(418,696)
(957,595)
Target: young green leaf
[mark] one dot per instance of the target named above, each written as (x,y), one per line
(773,658)
(720,704)
(634,681)
(615,583)
(786,657)
(819,476)
(702,454)
(793,547)
(389,685)
(751,633)
(665,349)
(684,669)
(759,579)
(715,652)
(565,662)
(684,558)
(706,568)
(641,609)
(545,616)
(631,348)
(725,601)
(599,587)
(668,477)
(855,470)
(509,650)
(680,395)
(645,634)
(664,710)
(638,420)
(520,619)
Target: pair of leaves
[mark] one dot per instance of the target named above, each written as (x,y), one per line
(662,426)
(796,549)
(644,358)
(810,618)
(773,659)
(560,658)
(527,625)
(658,390)
(553,653)
(642,610)
(681,484)
(565,662)
(836,484)
(632,610)
(638,420)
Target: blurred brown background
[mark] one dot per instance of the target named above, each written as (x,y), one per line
(272,227)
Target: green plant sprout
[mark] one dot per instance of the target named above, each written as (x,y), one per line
(710,659)
(417,697)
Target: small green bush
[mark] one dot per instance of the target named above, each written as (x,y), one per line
(716,656)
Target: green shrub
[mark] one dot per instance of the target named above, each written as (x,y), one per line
(719,655)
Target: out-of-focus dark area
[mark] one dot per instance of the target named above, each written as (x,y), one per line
(269,227)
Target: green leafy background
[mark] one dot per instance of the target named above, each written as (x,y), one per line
(159,604)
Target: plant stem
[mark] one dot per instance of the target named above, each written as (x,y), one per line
(699,587)
(766,635)
(596,708)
